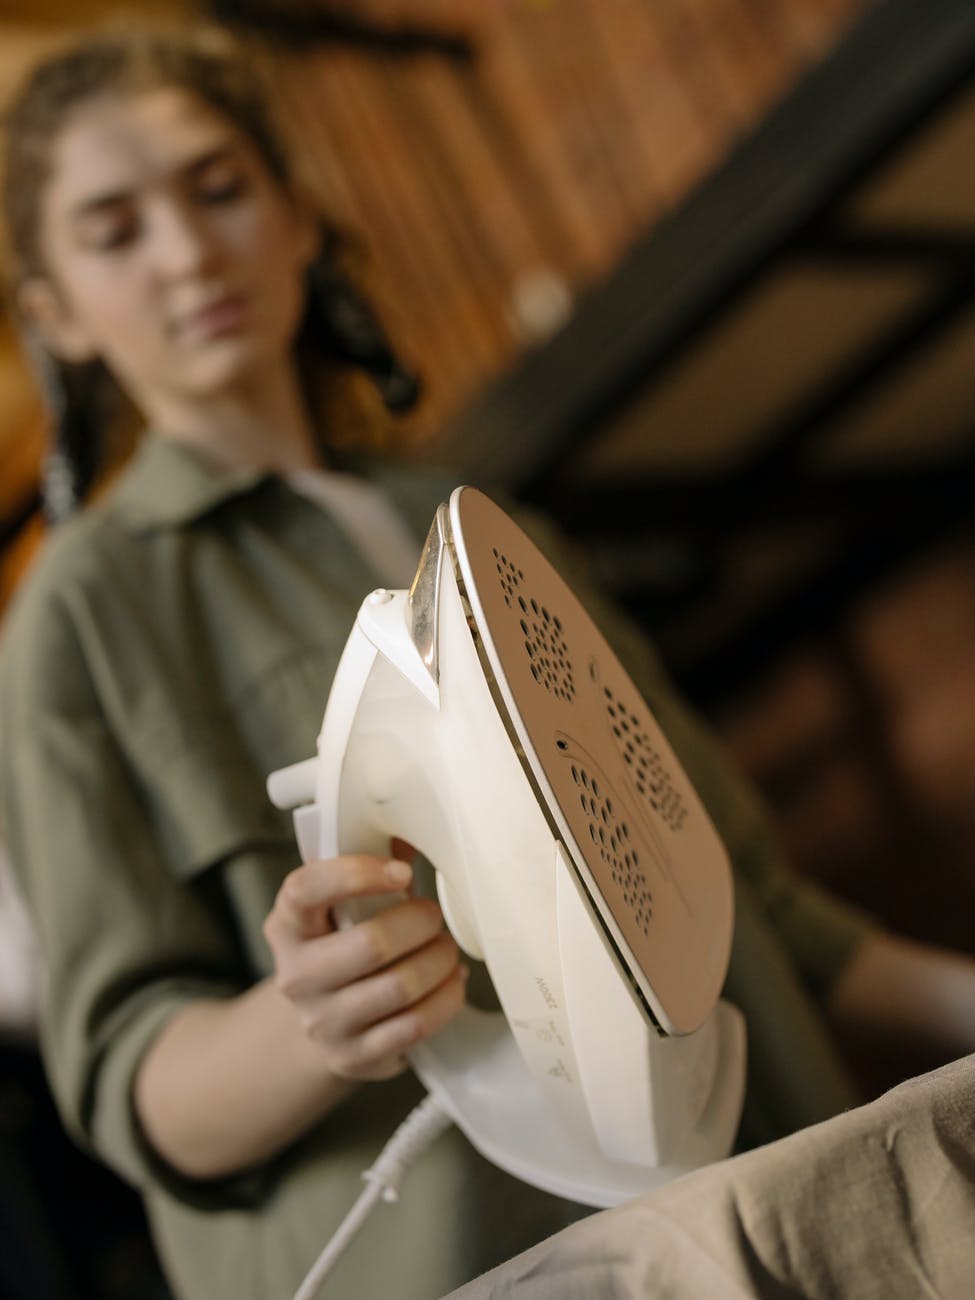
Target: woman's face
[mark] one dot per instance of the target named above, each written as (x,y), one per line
(171,250)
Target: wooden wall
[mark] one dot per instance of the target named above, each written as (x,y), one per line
(491,191)
(488,191)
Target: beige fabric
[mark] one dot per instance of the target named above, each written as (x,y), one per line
(175,644)
(877,1204)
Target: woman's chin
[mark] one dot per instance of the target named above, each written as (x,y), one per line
(226,364)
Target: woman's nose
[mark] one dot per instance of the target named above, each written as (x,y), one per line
(183,244)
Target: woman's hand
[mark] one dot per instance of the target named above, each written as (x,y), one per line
(367,993)
(912,994)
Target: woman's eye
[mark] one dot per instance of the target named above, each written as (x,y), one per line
(108,236)
(221,189)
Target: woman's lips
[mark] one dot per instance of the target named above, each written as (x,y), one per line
(223,316)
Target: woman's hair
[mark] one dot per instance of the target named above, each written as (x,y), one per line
(339,334)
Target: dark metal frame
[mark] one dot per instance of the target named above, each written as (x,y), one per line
(903,62)
(777,201)
(324,24)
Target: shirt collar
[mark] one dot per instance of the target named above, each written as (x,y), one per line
(167,484)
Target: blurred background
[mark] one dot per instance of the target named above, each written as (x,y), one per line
(696,277)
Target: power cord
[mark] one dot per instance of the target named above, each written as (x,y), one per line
(422,1126)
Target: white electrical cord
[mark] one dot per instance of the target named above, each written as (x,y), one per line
(422,1126)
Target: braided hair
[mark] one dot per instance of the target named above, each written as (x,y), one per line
(339,330)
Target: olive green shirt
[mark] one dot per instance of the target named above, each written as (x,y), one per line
(175,644)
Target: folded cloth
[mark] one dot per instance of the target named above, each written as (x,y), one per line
(877,1204)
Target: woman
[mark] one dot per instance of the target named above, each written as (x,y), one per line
(205,1028)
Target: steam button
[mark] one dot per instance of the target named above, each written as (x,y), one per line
(379,597)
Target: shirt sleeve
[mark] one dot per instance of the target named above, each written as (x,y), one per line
(819,931)
(123,943)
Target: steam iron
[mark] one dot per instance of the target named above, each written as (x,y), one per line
(482,717)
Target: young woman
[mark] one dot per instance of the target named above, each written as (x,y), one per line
(205,1028)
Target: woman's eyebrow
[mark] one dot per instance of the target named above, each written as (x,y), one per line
(99,203)
(95,203)
(219,153)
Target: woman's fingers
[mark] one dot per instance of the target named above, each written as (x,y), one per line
(328,963)
(367,1001)
(377,1052)
(370,991)
(307,895)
